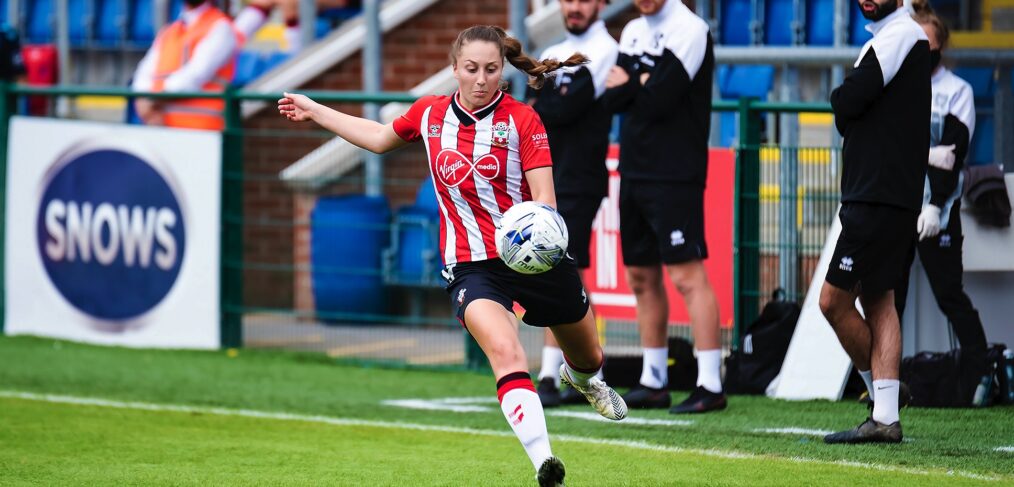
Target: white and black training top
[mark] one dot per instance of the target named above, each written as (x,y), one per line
(952,122)
(570,106)
(882,110)
(665,130)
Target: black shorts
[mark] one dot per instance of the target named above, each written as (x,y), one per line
(661,222)
(579,213)
(554,297)
(873,247)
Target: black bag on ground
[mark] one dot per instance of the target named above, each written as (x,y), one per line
(758,357)
(946,379)
(625,370)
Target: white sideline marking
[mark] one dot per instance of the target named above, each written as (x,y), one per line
(467,405)
(793,431)
(1005,449)
(636,445)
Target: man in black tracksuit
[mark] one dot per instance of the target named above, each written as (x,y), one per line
(577,124)
(940,239)
(882,110)
(662,83)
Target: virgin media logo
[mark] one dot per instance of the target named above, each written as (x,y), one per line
(452,168)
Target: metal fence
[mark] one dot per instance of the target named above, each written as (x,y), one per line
(276,281)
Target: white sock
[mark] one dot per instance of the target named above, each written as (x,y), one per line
(581,378)
(655,368)
(552,359)
(523,410)
(249,21)
(885,408)
(867,376)
(709,369)
(293,38)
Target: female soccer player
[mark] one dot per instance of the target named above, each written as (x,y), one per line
(487,152)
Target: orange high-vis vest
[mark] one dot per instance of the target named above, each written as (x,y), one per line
(176,44)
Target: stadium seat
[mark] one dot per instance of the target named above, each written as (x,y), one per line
(142,28)
(981,148)
(80,19)
(739,81)
(858,35)
(981,79)
(819,15)
(273,59)
(3,11)
(39,24)
(175,7)
(112,22)
(734,25)
(248,67)
(779,17)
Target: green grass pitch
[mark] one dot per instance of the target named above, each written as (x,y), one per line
(80,415)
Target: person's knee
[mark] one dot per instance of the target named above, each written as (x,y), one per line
(689,278)
(830,305)
(505,352)
(643,281)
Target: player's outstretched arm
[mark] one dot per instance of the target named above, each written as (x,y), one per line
(361,132)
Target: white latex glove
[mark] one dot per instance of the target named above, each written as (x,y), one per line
(942,156)
(928,224)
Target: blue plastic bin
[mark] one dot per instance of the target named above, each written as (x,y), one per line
(347,236)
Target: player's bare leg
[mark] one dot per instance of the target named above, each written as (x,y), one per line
(495,329)
(652,317)
(691,281)
(583,354)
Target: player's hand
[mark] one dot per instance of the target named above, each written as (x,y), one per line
(644,78)
(296,107)
(942,156)
(617,77)
(928,224)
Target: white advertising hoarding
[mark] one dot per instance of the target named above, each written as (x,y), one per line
(112,233)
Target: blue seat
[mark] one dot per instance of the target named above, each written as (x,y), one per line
(981,79)
(734,26)
(738,81)
(175,7)
(112,22)
(980,151)
(3,11)
(858,35)
(273,59)
(81,15)
(142,26)
(819,16)
(341,14)
(426,197)
(39,24)
(778,19)
(248,67)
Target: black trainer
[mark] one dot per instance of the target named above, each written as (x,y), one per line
(644,397)
(868,432)
(551,473)
(700,401)
(549,395)
(569,395)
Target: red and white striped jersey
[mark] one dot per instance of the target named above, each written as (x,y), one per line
(477,160)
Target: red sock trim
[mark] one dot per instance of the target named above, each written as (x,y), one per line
(514,380)
(583,371)
(292,22)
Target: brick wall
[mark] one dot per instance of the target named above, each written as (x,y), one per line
(277,236)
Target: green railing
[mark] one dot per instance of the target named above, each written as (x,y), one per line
(753,246)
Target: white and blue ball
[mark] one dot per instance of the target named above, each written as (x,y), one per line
(531,238)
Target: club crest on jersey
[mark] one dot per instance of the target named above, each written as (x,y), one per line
(435,130)
(452,168)
(500,134)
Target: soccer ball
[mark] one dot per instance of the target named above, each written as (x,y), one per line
(531,238)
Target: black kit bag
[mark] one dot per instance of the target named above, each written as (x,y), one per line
(625,370)
(761,349)
(946,380)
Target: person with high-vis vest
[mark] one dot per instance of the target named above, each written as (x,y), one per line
(197,52)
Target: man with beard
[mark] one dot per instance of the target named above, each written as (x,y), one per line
(197,52)
(577,124)
(882,110)
(663,82)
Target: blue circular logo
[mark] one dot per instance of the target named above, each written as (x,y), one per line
(110,232)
